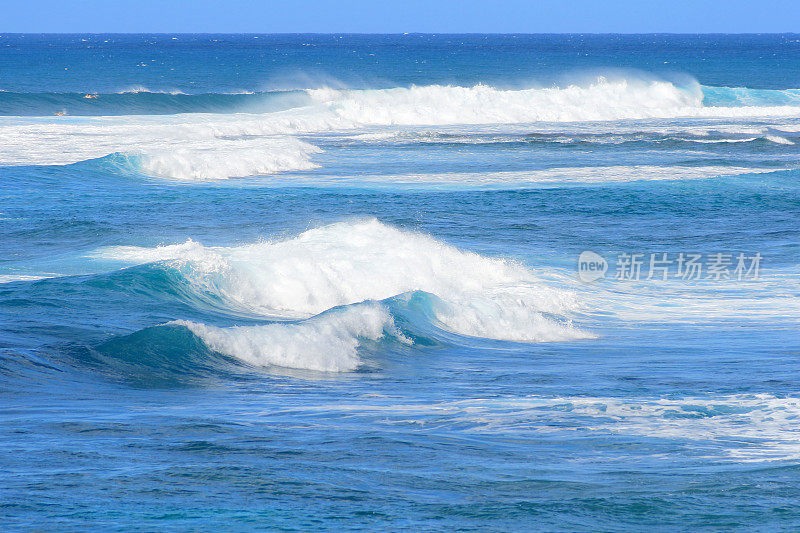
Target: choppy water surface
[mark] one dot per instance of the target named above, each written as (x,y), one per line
(332,282)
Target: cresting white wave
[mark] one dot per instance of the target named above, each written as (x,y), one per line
(352,262)
(603,100)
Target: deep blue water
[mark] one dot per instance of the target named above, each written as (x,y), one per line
(331,282)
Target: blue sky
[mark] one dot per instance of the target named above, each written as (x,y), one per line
(391,16)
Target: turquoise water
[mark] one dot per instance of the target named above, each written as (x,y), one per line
(332,282)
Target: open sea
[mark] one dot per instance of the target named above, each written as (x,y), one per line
(400,282)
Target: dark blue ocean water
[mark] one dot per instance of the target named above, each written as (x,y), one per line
(332,282)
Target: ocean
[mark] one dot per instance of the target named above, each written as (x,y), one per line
(399,282)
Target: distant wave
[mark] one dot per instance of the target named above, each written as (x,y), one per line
(11,278)
(203,146)
(142,89)
(640,134)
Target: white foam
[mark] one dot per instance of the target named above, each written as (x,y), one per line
(10,278)
(326,342)
(503,314)
(350,262)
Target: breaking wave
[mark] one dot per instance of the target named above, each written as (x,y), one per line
(340,284)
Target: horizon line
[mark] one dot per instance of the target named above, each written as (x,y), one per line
(382,33)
